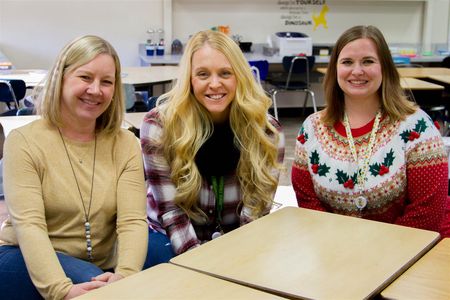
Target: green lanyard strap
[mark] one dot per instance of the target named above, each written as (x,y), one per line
(219,190)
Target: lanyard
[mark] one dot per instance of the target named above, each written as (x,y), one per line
(361,177)
(219,190)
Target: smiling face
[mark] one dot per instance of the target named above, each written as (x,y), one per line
(213,82)
(359,70)
(87,91)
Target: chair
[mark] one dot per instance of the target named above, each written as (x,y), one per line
(446,62)
(25,111)
(263,68)
(295,78)
(12,91)
(130,97)
(255,70)
(151,102)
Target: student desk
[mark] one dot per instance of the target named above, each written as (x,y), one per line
(11,122)
(166,281)
(422,72)
(429,278)
(147,77)
(417,84)
(441,78)
(30,76)
(303,253)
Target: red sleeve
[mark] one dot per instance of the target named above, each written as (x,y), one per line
(427,173)
(302,181)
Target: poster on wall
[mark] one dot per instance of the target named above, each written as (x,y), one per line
(305,13)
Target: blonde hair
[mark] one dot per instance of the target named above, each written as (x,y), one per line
(394,102)
(79,52)
(188,125)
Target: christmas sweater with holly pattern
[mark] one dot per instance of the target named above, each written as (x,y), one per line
(407,178)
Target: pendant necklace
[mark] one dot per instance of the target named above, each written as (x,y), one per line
(361,201)
(87,224)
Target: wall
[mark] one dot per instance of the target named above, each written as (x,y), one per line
(401,21)
(33,32)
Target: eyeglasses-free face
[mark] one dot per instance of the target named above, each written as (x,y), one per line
(213,82)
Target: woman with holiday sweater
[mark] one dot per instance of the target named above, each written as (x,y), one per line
(371,153)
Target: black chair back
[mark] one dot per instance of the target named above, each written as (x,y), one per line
(298,65)
(446,62)
(12,90)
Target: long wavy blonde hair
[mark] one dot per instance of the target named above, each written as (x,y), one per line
(188,125)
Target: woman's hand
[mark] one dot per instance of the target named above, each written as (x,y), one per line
(107,277)
(82,288)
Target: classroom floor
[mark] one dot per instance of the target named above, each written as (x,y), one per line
(290,124)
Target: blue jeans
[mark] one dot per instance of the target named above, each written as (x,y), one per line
(15,283)
(159,249)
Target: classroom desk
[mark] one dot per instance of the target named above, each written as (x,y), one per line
(147,77)
(441,78)
(32,77)
(166,281)
(11,122)
(429,278)
(303,253)
(422,72)
(417,84)
(408,82)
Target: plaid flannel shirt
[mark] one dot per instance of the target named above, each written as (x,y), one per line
(162,212)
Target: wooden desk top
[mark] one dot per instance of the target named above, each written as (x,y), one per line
(304,253)
(422,72)
(417,84)
(408,82)
(429,278)
(322,70)
(149,75)
(441,78)
(166,281)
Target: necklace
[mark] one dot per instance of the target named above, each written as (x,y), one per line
(219,191)
(361,201)
(87,224)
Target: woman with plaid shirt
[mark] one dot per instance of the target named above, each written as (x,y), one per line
(212,154)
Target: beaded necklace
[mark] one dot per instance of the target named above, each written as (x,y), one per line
(361,201)
(87,224)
